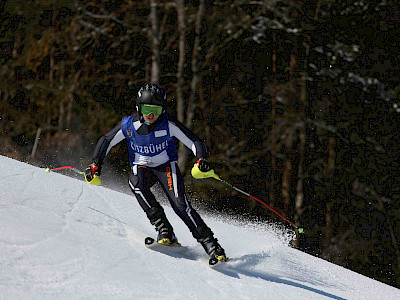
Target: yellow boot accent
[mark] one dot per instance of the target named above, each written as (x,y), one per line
(222,258)
(167,242)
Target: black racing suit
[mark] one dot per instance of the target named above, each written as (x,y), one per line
(144,175)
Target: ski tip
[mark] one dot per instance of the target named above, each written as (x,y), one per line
(213,261)
(149,241)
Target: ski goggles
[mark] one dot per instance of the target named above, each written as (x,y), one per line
(148,109)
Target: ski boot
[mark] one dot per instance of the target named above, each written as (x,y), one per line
(165,231)
(211,245)
(214,249)
(167,237)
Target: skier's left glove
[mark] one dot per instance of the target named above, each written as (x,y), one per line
(204,165)
(92,171)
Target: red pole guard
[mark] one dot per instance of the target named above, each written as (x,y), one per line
(67,167)
(262,202)
(62,168)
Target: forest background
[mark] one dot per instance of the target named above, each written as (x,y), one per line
(298,102)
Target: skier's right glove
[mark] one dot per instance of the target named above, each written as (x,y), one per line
(204,165)
(92,171)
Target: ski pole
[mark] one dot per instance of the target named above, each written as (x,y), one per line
(63,168)
(95,181)
(299,229)
(196,173)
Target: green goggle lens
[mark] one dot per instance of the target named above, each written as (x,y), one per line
(147,109)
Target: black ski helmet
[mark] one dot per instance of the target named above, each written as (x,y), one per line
(151,94)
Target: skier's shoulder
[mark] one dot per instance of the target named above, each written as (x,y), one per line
(166,117)
(179,130)
(172,120)
(129,120)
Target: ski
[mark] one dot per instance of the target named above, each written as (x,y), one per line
(149,241)
(154,245)
(214,262)
(179,251)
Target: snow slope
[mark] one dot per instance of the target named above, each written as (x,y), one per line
(62,238)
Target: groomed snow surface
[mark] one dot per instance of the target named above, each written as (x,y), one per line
(62,238)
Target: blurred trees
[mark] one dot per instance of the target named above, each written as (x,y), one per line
(297,101)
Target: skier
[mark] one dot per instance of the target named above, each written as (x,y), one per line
(153,157)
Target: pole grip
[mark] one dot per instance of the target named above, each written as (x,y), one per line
(197,174)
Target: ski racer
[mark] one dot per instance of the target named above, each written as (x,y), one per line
(153,158)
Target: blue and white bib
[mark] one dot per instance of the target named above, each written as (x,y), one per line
(153,149)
